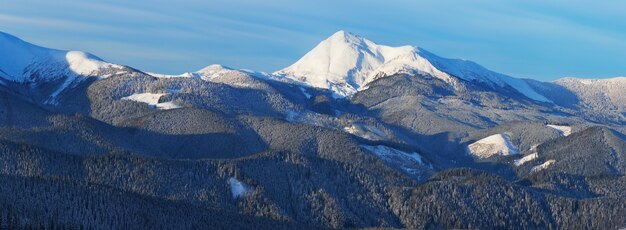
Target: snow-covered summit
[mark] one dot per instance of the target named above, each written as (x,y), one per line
(345,63)
(21,61)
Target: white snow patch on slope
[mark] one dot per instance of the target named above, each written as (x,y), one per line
(167,105)
(364,131)
(237,188)
(410,162)
(152,99)
(525,159)
(543,166)
(345,63)
(148,98)
(563,130)
(498,144)
(86,64)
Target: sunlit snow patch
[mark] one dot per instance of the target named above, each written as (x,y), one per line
(498,144)
(543,166)
(367,132)
(237,188)
(167,105)
(525,159)
(563,130)
(152,99)
(411,162)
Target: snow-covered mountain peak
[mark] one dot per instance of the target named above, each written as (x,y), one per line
(345,63)
(212,70)
(20,61)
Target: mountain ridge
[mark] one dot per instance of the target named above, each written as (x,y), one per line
(345,63)
(342,80)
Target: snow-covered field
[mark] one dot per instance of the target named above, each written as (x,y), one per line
(498,144)
(152,99)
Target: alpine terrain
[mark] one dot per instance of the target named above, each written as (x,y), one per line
(352,135)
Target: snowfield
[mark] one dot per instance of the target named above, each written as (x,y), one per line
(498,144)
(152,99)
(367,132)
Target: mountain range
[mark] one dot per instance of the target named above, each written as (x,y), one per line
(352,135)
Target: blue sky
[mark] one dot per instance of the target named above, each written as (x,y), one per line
(543,40)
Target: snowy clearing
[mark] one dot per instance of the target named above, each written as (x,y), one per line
(152,99)
(498,144)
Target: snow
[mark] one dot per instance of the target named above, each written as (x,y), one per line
(471,71)
(213,71)
(525,159)
(21,61)
(85,64)
(19,58)
(345,63)
(159,75)
(148,98)
(365,131)
(16,55)
(207,73)
(152,99)
(411,162)
(498,144)
(237,188)
(543,166)
(167,105)
(563,130)
(223,75)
